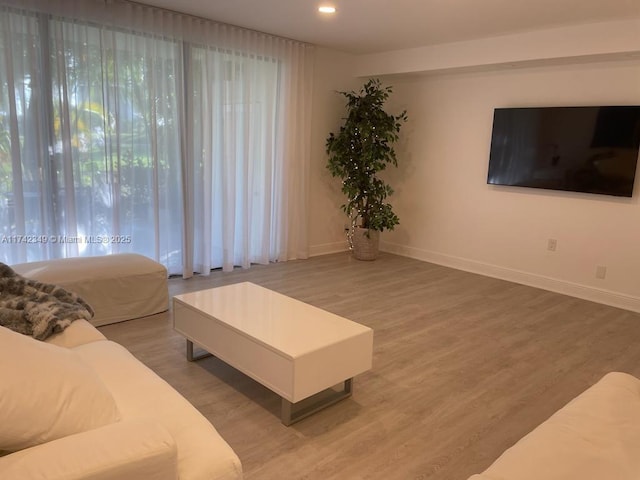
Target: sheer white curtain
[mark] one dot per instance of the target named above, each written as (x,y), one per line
(128,128)
(246,111)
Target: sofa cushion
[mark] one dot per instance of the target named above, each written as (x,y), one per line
(141,394)
(595,436)
(47,392)
(132,450)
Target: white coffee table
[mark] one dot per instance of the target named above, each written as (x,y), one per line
(297,350)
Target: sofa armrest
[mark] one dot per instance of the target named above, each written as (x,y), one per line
(595,436)
(133,449)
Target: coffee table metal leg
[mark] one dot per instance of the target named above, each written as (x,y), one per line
(190,356)
(290,414)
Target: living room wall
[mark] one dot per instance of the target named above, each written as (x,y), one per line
(449,215)
(333,72)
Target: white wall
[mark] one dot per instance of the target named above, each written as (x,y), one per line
(449,215)
(333,72)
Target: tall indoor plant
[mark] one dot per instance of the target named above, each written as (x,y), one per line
(362,148)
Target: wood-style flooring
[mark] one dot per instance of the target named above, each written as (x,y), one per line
(464,366)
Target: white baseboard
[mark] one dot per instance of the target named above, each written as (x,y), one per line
(327,248)
(597,295)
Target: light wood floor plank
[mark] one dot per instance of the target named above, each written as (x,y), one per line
(464,366)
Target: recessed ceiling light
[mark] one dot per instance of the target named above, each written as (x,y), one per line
(327,9)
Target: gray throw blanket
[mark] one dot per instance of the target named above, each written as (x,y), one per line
(35,308)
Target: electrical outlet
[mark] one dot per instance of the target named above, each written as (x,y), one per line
(552,243)
(601,272)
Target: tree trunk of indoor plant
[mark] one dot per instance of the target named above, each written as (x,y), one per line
(365,243)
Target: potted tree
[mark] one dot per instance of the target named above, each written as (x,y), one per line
(362,148)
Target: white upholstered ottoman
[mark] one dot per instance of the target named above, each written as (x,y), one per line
(118,287)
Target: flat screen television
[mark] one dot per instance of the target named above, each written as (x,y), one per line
(577,149)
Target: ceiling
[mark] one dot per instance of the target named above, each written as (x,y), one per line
(372,26)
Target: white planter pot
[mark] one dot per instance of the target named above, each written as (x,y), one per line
(365,243)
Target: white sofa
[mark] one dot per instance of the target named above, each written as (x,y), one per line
(596,436)
(81,407)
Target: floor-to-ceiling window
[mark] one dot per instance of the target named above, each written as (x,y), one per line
(148,136)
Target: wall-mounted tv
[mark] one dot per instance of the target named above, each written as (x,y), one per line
(577,149)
